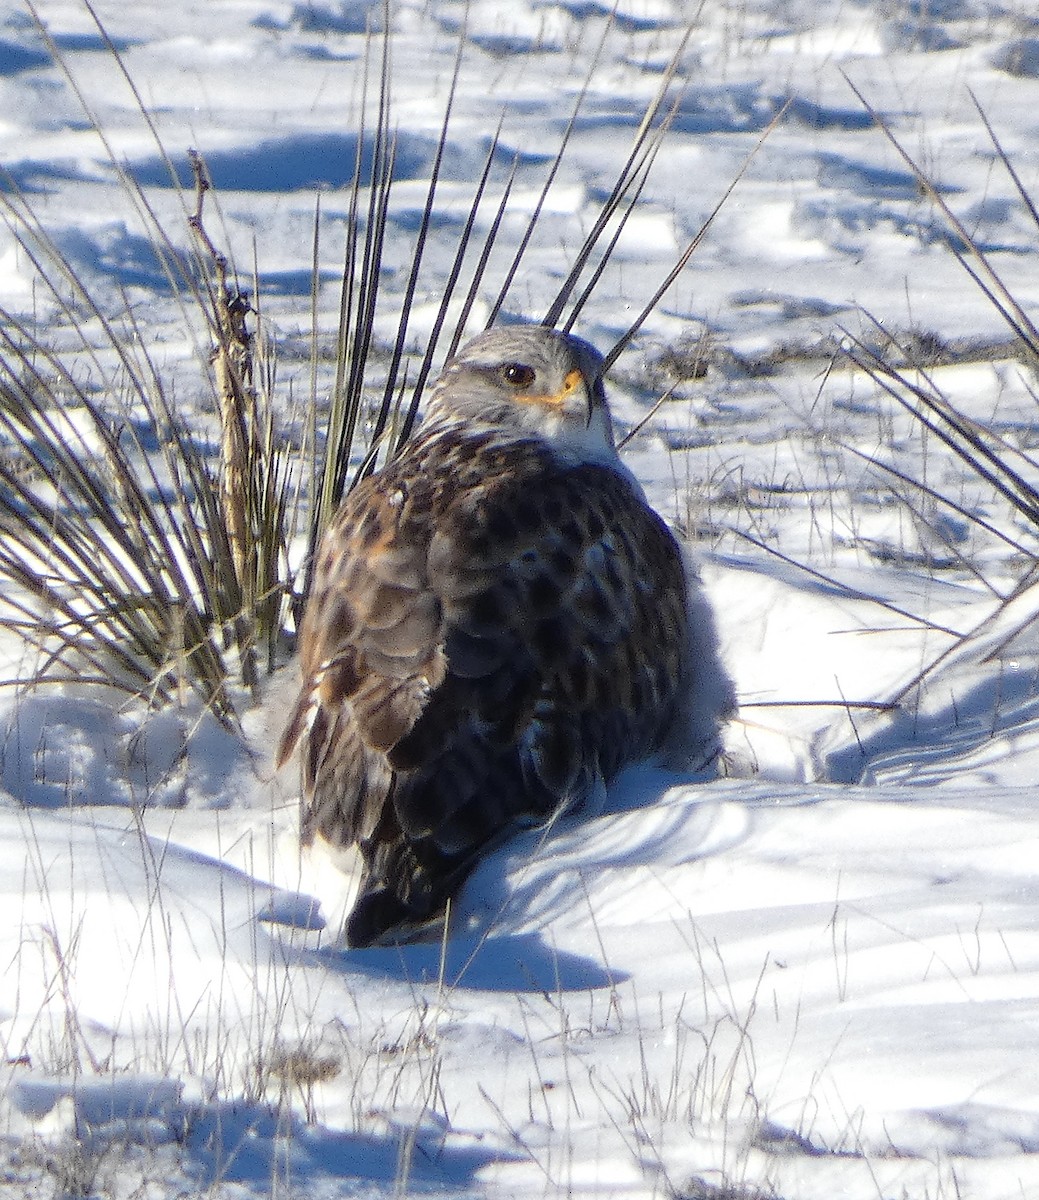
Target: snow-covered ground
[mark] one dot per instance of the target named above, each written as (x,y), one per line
(818,977)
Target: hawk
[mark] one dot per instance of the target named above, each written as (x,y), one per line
(499,623)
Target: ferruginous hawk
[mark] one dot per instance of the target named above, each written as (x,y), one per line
(499,623)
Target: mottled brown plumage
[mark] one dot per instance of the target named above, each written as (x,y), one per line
(499,623)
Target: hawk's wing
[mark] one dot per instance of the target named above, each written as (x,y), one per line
(492,633)
(371,652)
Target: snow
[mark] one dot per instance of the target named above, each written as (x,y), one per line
(817,977)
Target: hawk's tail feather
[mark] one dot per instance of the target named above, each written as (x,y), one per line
(408,880)
(379,915)
(404,897)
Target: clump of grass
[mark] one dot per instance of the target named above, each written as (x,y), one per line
(75,1166)
(699,1188)
(295,1071)
(133,557)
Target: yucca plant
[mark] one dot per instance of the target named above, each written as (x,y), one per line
(1009,471)
(120,556)
(159,569)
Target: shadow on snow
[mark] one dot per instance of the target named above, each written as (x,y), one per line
(511,963)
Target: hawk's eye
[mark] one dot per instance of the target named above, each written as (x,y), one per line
(518,375)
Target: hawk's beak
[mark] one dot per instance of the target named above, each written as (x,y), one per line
(571,383)
(574,382)
(589,390)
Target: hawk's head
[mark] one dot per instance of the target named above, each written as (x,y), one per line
(529,380)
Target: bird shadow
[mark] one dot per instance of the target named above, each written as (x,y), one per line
(507,962)
(500,939)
